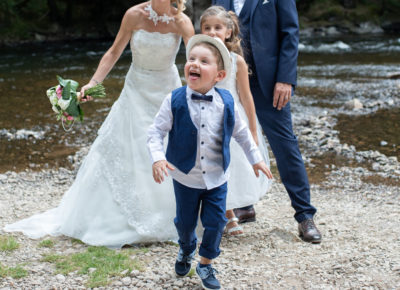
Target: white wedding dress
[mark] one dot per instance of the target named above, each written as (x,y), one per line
(244,188)
(114,200)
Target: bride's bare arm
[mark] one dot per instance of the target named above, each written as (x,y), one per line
(186,28)
(107,62)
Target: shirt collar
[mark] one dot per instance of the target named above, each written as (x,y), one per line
(189,92)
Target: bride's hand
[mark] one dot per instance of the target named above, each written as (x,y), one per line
(81,95)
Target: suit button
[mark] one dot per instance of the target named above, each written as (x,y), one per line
(193,132)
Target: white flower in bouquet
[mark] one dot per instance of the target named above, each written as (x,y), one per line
(55,109)
(50,92)
(64,104)
(53,99)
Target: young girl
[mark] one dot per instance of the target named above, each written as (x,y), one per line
(244,187)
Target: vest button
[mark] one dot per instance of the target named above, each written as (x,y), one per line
(204,172)
(202,126)
(202,157)
(202,142)
(202,108)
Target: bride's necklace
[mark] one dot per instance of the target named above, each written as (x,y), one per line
(153,16)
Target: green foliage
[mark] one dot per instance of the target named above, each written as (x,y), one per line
(14,272)
(77,241)
(46,244)
(8,244)
(191,273)
(99,263)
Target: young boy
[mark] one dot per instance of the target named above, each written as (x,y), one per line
(200,120)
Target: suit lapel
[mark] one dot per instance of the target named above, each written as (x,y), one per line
(253,6)
(227,4)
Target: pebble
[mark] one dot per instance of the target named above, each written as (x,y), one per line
(126,281)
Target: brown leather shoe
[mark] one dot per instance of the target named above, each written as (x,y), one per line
(245,215)
(308,232)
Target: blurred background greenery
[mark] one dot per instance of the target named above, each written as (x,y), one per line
(27,20)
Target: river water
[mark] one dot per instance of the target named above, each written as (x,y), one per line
(330,72)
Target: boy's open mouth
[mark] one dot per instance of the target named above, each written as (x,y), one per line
(194,74)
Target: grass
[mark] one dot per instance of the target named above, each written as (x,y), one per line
(191,273)
(108,263)
(46,244)
(8,244)
(14,272)
(77,241)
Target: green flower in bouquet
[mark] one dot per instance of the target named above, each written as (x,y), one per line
(65,103)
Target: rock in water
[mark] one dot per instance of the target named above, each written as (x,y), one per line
(353,104)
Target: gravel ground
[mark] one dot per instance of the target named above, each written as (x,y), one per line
(359,222)
(360,248)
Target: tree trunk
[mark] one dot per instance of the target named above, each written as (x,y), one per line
(53,11)
(350,3)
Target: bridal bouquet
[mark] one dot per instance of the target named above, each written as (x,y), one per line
(64,100)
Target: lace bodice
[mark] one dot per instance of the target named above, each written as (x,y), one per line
(154,50)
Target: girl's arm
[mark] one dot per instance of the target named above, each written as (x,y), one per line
(107,62)
(245,96)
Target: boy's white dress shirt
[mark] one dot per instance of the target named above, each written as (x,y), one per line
(207,117)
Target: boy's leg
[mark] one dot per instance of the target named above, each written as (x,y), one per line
(187,208)
(213,219)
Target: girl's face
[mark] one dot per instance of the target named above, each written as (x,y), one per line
(215,27)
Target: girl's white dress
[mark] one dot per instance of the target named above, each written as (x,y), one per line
(244,188)
(114,200)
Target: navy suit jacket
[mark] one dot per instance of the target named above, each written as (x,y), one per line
(274,38)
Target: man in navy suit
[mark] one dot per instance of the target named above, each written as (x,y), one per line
(270,36)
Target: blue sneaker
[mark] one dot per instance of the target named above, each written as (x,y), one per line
(207,276)
(183,263)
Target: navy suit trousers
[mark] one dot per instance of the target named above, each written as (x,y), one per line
(277,125)
(211,204)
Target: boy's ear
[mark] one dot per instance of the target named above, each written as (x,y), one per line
(220,75)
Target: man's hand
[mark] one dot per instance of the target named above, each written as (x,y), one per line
(159,169)
(282,95)
(264,169)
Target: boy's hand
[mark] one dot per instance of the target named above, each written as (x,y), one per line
(159,169)
(263,167)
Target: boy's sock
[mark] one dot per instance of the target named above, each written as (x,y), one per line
(183,263)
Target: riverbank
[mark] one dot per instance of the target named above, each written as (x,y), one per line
(358,213)
(358,219)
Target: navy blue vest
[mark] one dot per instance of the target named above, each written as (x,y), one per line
(182,142)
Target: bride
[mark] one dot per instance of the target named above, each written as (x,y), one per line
(114,200)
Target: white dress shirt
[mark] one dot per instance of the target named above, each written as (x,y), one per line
(207,117)
(238,5)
